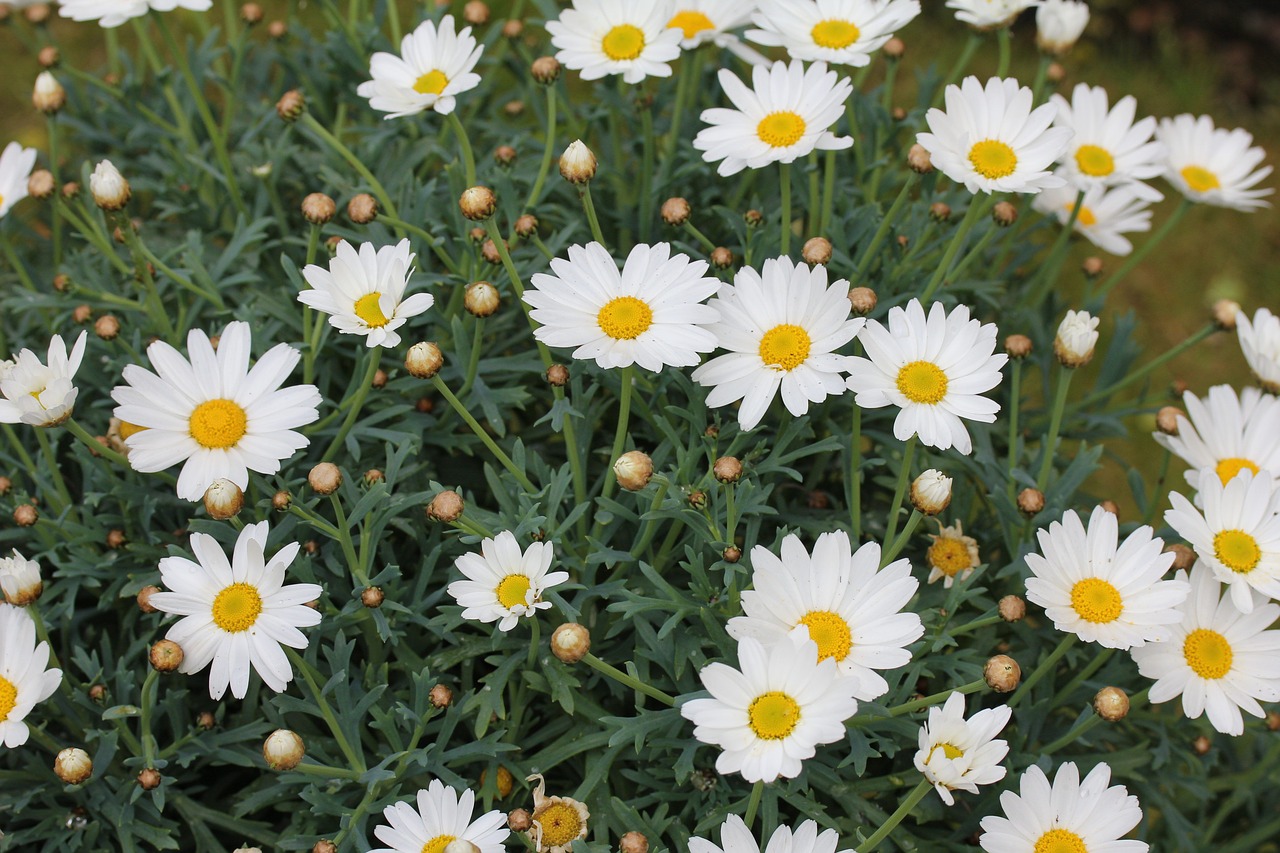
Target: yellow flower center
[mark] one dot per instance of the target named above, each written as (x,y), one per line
(785,347)
(773,715)
(949,556)
(691,21)
(8,696)
(127,429)
(1096,601)
(431,83)
(1085,217)
(625,318)
(1228,468)
(623,42)
(922,382)
(437,844)
(781,129)
(948,749)
(367,308)
(993,159)
(1060,841)
(1095,161)
(237,607)
(560,824)
(218,424)
(513,590)
(835,33)
(831,632)
(1237,550)
(1208,653)
(1200,179)
(1,199)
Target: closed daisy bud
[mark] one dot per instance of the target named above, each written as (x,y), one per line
(281,501)
(1004,214)
(527,226)
(513,28)
(519,820)
(424,360)
(48,56)
(931,492)
(149,779)
(732,554)
(374,475)
(1056,73)
(283,750)
(1059,25)
(578,163)
(633,842)
(817,250)
(570,642)
(489,251)
(1077,336)
(98,693)
(1183,557)
(20,579)
(223,500)
(753,218)
(318,208)
(476,12)
(70,189)
(251,13)
(362,209)
(545,69)
(1017,346)
(1002,673)
(110,189)
(1273,721)
(5,485)
(82,314)
(144,599)
(447,506)
(1110,506)
(862,300)
(504,155)
(698,499)
(939,211)
(478,203)
(558,375)
(894,48)
(481,299)
(166,656)
(48,96)
(277,30)
(73,765)
(919,160)
(633,470)
(1092,266)
(721,258)
(1030,501)
(440,696)
(1111,704)
(325,478)
(115,539)
(291,105)
(372,597)
(1201,745)
(206,720)
(727,469)
(1012,608)
(25,515)
(40,184)
(675,211)
(1224,314)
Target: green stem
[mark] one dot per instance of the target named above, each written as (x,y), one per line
(344,541)
(1046,666)
(142,269)
(473,360)
(310,676)
(589,206)
(54,469)
(535,632)
(1047,275)
(651,526)
(699,236)
(1015,407)
(56,224)
(1042,77)
(1003,41)
(855,473)
(92,443)
(393,21)
(1135,375)
(355,162)
(435,245)
(647,190)
(784,172)
(917,704)
(620,433)
(917,794)
(1065,375)
(548,149)
(468,156)
(753,804)
(1080,677)
(480,432)
(1136,258)
(970,219)
(977,624)
(17,264)
(690,72)
(904,474)
(149,689)
(828,191)
(901,542)
(962,63)
(869,254)
(1089,722)
(354,407)
(627,680)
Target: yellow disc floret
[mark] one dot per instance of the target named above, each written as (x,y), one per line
(1060,841)
(773,715)
(949,555)
(1094,161)
(835,33)
(922,382)
(1200,179)
(781,129)
(950,750)
(218,424)
(1207,653)
(625,318)
(785,347)
(831,632)
(993,159)
(560,824)
(691,22)
(1237,550)
(431,83)
(513,590)
(8,698)
(623,42)
(237,607)
(1096,601)
(369,309)
(1227,469)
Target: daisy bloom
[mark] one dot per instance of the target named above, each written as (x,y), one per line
(213,413)
(1219,660)
(1076,338)
(1260,343)
(113,13)
(20,579)
(434,67)
(1237,535)
(1108,148)
(504,584)
(785,116)
(840,599)
(1213,165)
(842,32)
(991,140)
(650,313)
(781,328)
(37,393)
(1101,589)
(24,681)
(952,556)
(15,169)
(1071,816)
(236,614)
(735,837)
(989,14)
(557,821)
(702,21)
(602,37)
(362,291)
(934,370)
(1105,215)
(1059,25)
(959,754)
(442,817)
(1227,434)
(773,713)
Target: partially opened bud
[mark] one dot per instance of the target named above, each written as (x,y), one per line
(931,492)
(570,642)
(578,163)
(20,580)
(48,96)
(1076,339)
(478,203)
(110,189)
(633,470)
(1059,25)
(73,765)
(223,500)
(283,750)
(424,360)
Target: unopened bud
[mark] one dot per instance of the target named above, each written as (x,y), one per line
(48,96)
(862,300)
(166,656)
(1224,314)
(476,12)
(931,492)
(291,105)
(478,203)
(918,159)
(698,499)
(110,189)
(1111,507)
(25,515)
(727,469)
(1004,214)
(1002,673)
(816,251)
(206,720)
(318,208)
(1017,346)
(98,693)
(1055,73)
(372,597)
(1183,557)
(894,48)
(149,779)
(362,209)
(144,599)
(633,470)
(1273,721)
(558,375)
(223,500)
(440,696)
(281,501)
(527,226)
(40,184)
(48,56)
(519,820)
(1111,704)
(1012,608)
(545,69)
(633,842)
(447,506)
(675,211)
(570,642)
(251,13)
(721,258)
(513,28)
(1030,501)
(70,189)
(115,539)
(481,299)
(504,155)
(1092,266)
(424,360)
(1202,745)
(283,750)
(578,163)
(277,30)
(82,313)
(753,218)
(489,251)
(939,211)
(73,765)
(731,554)
(325,478)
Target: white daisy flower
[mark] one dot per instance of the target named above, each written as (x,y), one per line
(20,579)
(504,584)
(934,370)
(434,67)
(1105,216)
(1260,343)
(735,837)
(840,600)
(113,13)
(16,163)
(959,754)
(702,21)
(1108,148)
(1101,589)
(41,394)
(601,37)
(1237,535)
(213,413)
(1059,25)
(782,328)
(1212,165)
(952,556)
(650,313)
(1071,816)
(24,681)
(442,817)
(771,715)
(236,614)
(1227,434)
(991,140)
(363,291)
(842,32)
(989,14)
(1219,660)
(786,116)
(557,821)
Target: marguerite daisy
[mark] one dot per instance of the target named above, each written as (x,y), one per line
(1108,148)
(602,37)
(20,579)
(991,140)
(557,821)
(1071,816)
(989,14)
(842,601)
(773,713)
(702,21)
(24,681)
(442,817)
(504,584)
(959,754)
(782,329)
(362,291)
(40,394)
(236,614)
(842,32)
(934,370)
(1105,215)
(1100,589)
(213,413)
(113,13)
(952,556)
(650,314)
(434,67)
(735,837)
(1227,434)
(1059,25)
(15,170)
(1218,660)
(786,116)
(1237,535)
(1260,343)
(1213,165)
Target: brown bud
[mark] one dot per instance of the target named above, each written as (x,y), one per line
(633,470)
(331,244)
(481,299)
(283,750)
(37,13)
(519,820)
(362,209)
(899,114)
(325,478)
(489,251)
(527,226)
(440,696)
(379,379)
(372,597)
(894,48)
(372,476)
(753,218)
(318,208)
(40,184)
(903,241)
(107,327)
(1179,387)
(513,28)
(727,469)
(223,499)
(206,720)
(478,235)
(166,656)
(478,203)
(731,554)
(281,500)
(424,405)
(939,211)
(251,13)
(817,250)
(712,431)
(721,258)
(1017,346)
(311,547)
(61,282)
(476,12)
(447,506)
(1202,745)
(25,515)
(918,160)
(1012,608)
(1004,214)
(1111,704)
(1273,721)
(862,300)
(504,155)
(558,375)
(675,211)
(1030,501)
(633,842)
(277,29)
(70,189)
(698,499)
(144,599)
(1055,73)
(1092,266)
(424,360)
(1224,314)
(545,69)
(82,314)
(570,642)
(291,105)
(1111,507)
(1002,673)
(149,779)
(73,765)
(5,485)
(48,56)
(1183,557)
(115,539)
(98,693)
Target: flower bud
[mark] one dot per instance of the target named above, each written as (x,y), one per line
(1077,336)
(476,12)
(570,642)
(504,155)
(1111,704)
(283,750)
(753,218)
(440,696)
(558,375)
(1224,314)
(20,580)
(73,765)
(144,599)
(1202,745)
(1004,214)
(149,779)
(1111,507)
(862,300)
(633,842)
(1092,266)
(447,506)
(1273,721)
(325,478)
(931,492)
(721,258)
(478,203)
(48,56)
(545,69)
(291,105)
(481,299)
(1055,73)
(82,314)
(251,13)
(818,499)
(1030,501)
(513,28)
(489,251)
(1059,25)
(324,845)
(939,211)
(372,597)
(519,820)
(727,469)
(527,226)
(25,515)
(675,211)
(281,500)
(424,360)
(578,163)
(1017,346)
(1183,557)
(98,693)
(1012,608)
(107,327)
(223,500)
(633,470)
(115,539)
(698,499)
(40,184)
(110,189)
(894,48)
(318,208)
(206,720)
(816,251)
(70,190)
(731,554)
(166,656)
(48,96)
(362,209)
(918,160)
(277,30)
(1002,673)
